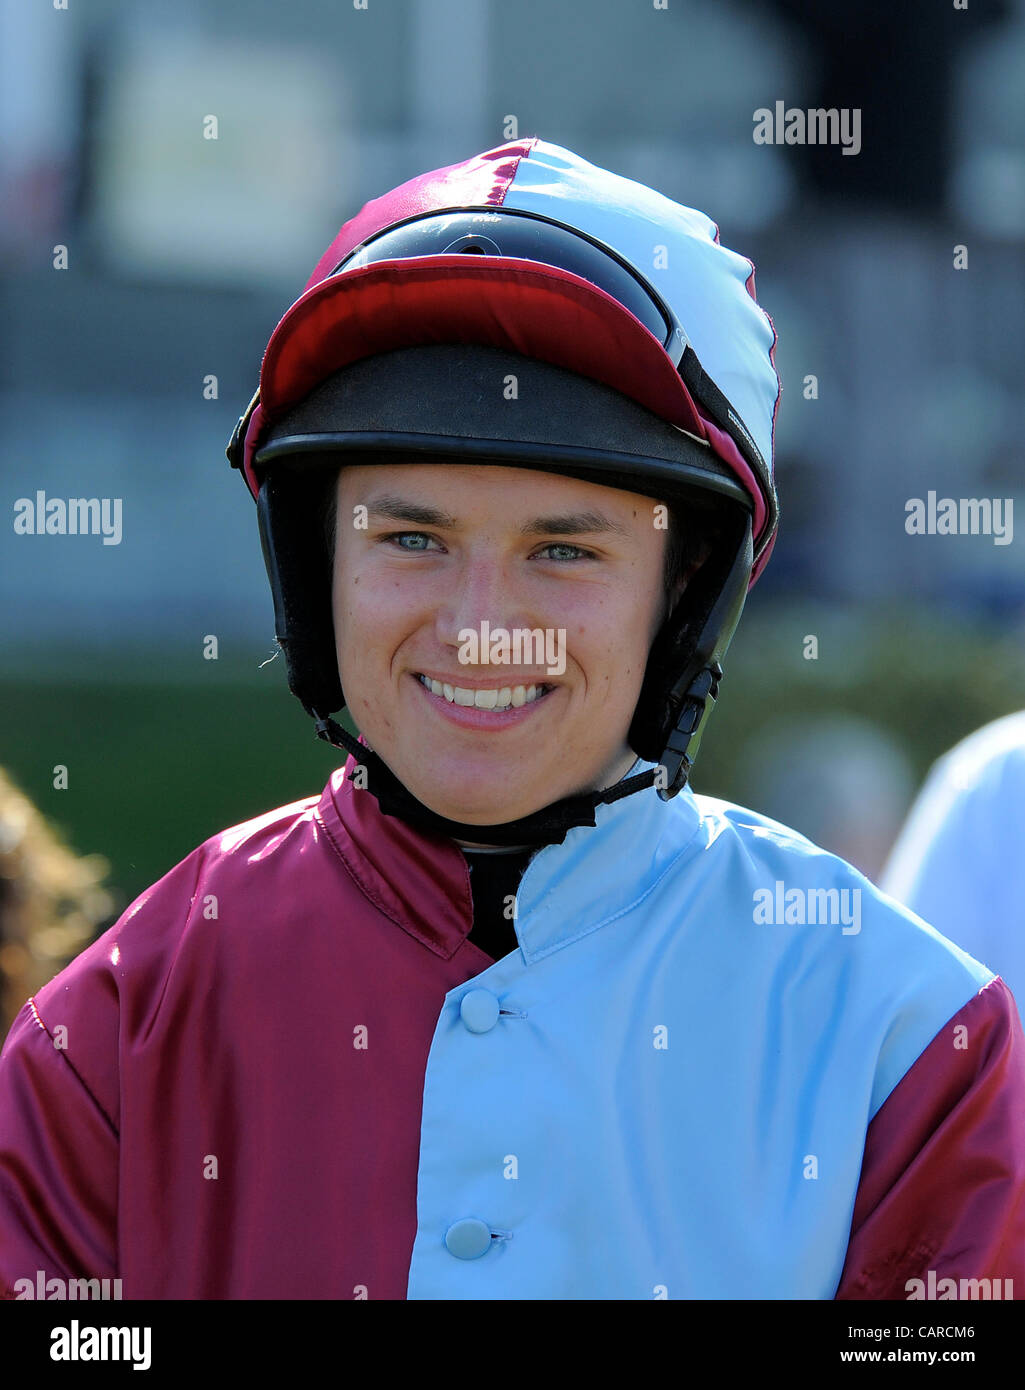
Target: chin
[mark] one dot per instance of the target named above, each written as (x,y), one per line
(462,798)
(469,809)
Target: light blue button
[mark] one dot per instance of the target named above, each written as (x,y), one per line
(468,1239)
(478,1009)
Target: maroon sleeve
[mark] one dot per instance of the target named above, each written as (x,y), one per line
(58,1165)
(942,1186)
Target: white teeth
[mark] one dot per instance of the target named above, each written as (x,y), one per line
(505,698)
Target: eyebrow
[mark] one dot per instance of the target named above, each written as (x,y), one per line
(562,524)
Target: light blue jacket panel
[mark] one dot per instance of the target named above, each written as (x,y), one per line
(693,1039)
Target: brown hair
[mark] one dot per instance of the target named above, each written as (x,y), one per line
(52,900)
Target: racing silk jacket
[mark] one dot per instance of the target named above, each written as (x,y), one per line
(285,1072)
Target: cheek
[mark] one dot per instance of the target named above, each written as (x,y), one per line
(361,600)
(611,650)
(626,623)
(360,623)
(373,615)
(362,650)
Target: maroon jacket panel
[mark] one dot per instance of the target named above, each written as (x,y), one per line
(942,1186)
(222,1096)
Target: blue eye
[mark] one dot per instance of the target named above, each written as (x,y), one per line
(399,536)
(577,550)
(419,542)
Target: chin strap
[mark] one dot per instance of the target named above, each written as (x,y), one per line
(549,826)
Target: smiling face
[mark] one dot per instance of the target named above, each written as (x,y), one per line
(483,731)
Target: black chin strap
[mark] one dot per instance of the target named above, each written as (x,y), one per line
(549,826)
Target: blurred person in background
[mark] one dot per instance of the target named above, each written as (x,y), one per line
(959,861)
(52,901)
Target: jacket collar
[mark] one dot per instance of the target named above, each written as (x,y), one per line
(600,872)
(421,881)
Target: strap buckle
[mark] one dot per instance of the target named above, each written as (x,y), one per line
(697,705)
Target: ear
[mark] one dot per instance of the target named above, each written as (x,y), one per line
(687,575)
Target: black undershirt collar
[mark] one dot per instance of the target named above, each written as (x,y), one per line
(494,879)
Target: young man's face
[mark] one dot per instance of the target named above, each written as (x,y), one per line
(446,548)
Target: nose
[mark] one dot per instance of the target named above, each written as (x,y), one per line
(484,589)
